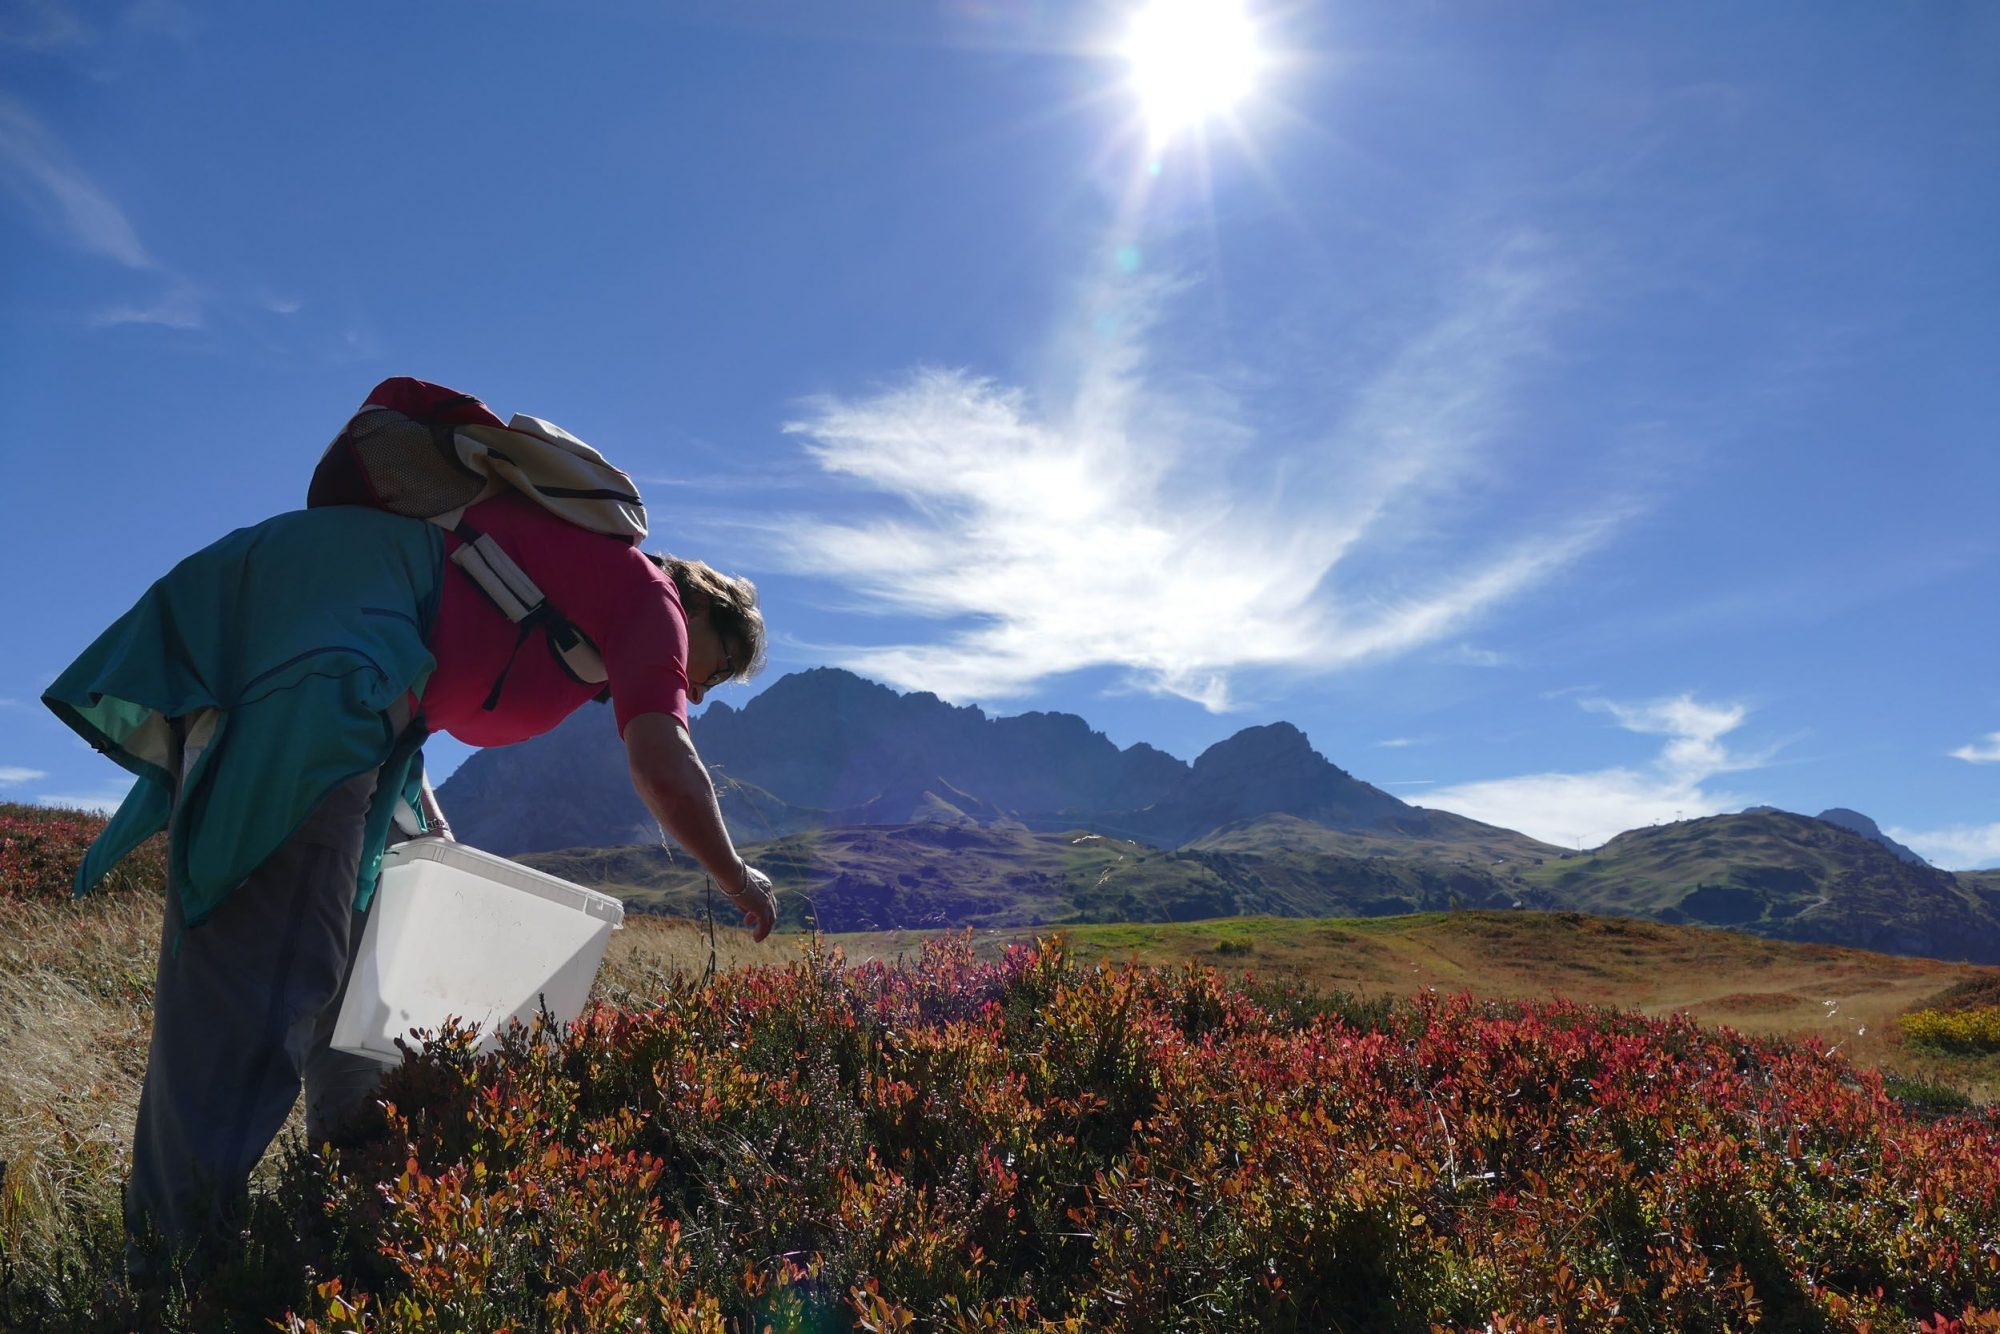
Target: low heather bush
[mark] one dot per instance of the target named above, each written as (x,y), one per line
(1030,1144)
(41,847)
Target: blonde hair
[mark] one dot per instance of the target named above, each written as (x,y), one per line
(731,606)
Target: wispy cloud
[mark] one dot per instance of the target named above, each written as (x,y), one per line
(37,169)
(1465,655)
(11,774)
(1398,742)
(180,308)
(42,176)
(1956,848)
(1124,521)
(1589,808)
(1980,752)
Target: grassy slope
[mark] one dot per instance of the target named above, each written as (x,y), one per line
(1769,874)
(1444,837)
(914,876)
(1777,874)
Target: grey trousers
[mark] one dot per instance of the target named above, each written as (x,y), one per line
(242,1009)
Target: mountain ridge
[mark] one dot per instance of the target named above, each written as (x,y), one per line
(879,810)
(1775,874)
(825,748)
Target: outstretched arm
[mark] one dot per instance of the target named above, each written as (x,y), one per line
(670,778)
(434,821)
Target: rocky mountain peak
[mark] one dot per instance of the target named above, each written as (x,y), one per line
(1867,828)
(1254,748)
(826,745)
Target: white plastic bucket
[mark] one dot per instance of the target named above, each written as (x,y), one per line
(456,932)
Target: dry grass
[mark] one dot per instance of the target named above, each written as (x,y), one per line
(76,984)
(75,1018)
(654,954)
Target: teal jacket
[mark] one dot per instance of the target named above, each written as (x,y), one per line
(282,650)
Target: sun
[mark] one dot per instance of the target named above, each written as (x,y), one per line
(1191,60)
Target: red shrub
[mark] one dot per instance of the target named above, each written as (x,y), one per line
(1031,1144)
(41,847)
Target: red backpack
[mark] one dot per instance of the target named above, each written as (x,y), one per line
(429,452)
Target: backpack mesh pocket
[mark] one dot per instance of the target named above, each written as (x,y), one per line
(413,471)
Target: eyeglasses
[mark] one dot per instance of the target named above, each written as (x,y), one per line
(720,674)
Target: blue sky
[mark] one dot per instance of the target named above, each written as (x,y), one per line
(1570,415)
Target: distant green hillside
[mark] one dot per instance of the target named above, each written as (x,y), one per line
(1772,873)
(1438,836)
(1768,873)
(929,875)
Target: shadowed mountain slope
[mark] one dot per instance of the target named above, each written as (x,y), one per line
(1784,877)
(941,875)
(827,749)
(876,810)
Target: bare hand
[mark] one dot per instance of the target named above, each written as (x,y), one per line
(756,900)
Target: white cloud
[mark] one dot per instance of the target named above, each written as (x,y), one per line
(1398,742)
(10,774)
(1125,523)
(1697,729)
(1980,752)
(1960,847)
(37,169)
(1590,808)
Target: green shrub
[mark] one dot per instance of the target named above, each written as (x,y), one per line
(1928,1097)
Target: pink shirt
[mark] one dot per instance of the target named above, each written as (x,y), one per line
(611,591)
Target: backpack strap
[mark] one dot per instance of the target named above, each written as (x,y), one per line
(509,588)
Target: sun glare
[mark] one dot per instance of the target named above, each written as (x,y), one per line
(1191,60)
